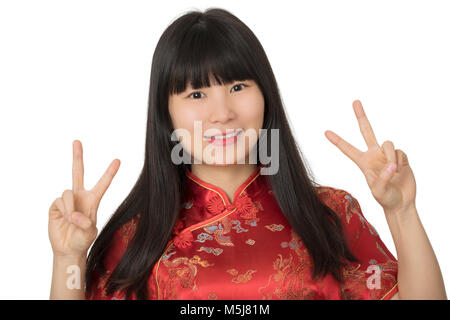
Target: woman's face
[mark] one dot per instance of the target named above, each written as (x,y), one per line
(200,116)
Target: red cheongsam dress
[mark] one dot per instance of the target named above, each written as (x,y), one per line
(246,249)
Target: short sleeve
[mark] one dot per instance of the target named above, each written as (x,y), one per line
(375,276)
(115,252)
(98,288)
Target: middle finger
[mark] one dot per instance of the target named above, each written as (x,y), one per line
(364,125)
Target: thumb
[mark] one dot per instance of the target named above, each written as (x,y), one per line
(81,220)
(386,174)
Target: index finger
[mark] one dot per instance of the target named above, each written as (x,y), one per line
(77,166)
(350,151)
(364,125)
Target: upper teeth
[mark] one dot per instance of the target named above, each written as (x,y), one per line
(226,136)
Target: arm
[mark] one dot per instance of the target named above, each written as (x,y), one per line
(392,183)
(72,228)
(68,278)
(419,275)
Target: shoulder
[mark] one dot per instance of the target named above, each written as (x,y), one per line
(113,255)
(346,206)
(335,198)
(120,242)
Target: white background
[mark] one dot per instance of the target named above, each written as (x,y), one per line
(81,70)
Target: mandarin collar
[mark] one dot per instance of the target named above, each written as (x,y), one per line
(200,189)
(205,203)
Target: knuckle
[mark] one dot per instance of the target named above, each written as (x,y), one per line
(88,223)
(58,201)
(93,233)
(66,192)
(388,143)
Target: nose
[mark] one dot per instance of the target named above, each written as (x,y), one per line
(221,111)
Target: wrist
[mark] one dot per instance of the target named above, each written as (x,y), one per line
(70,258)
(403,212)
(402,219)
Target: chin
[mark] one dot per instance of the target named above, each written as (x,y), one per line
(222,163)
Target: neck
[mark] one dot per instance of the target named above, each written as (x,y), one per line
(228,177)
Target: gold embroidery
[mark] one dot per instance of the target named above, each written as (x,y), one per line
(215,251)
(275,227)
(219,231)
(355,286)
(127,231)
(241,278)
(197,260)
(212,296)
(250,242)
(169,247)
(233,272)
(395,285)
(287,282)
(182,270)
(258,205)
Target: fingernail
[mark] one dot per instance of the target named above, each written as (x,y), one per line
(390,168)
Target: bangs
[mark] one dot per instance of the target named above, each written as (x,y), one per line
(209,54)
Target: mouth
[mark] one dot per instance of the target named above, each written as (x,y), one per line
(223,139)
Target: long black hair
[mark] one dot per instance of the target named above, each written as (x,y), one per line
(195,47)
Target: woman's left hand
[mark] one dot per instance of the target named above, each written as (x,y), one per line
(394,190)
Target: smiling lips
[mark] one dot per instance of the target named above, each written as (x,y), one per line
(225,139)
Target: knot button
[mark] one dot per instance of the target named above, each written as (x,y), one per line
(230,207)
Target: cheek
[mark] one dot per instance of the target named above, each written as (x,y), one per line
(251,111)
(184,118)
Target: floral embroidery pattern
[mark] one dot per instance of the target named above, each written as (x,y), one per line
(212,296)
(279,267)
(127,230)
(355,286)
(196,260)
(275,227)
(250,242)
(215,251)
(202,237)
(183,240)
(238,227)
(292,244)
(219,229)
(244,205)
(241,278)
(183,271)
(252,222)
(287,281)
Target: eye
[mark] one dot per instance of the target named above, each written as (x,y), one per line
(238,85)
(195,93)
(198,92)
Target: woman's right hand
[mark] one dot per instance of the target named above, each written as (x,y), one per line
(73,216)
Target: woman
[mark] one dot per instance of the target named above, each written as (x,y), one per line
(210,228)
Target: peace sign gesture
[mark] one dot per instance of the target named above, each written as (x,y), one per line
(73,216)
(395,189)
